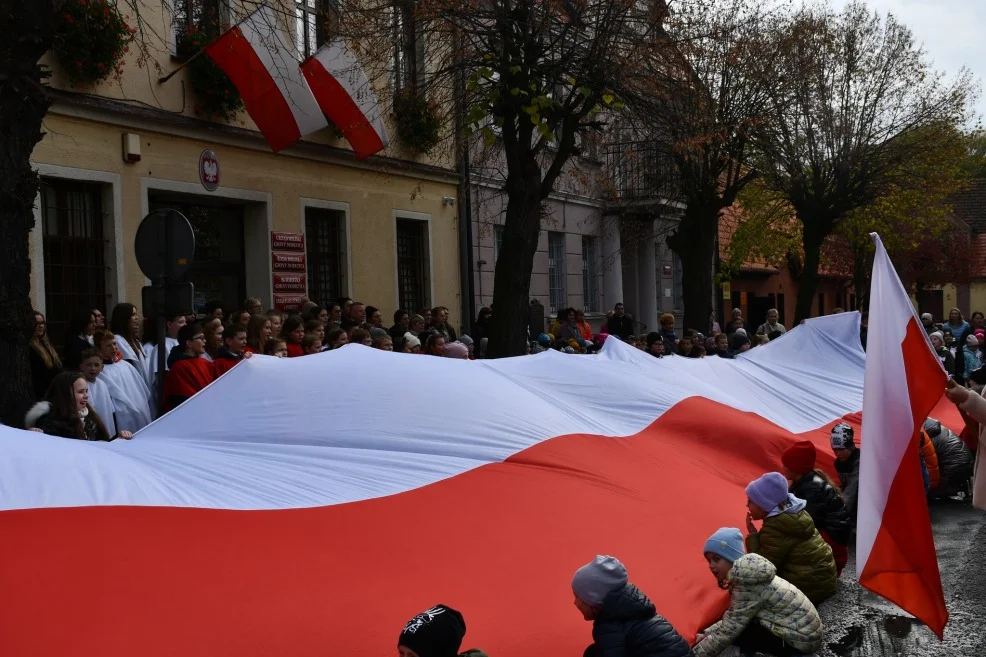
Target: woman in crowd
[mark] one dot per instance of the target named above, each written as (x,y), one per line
(125,324)
(788,537)
(417,325)
(66,411)
(766,615)
(955,322)
(402,322)
(435,345)
(336,338)
(439,323)
(78,338)
(293,332)
(258,332)
(276,320)
(977,321)
(822,497)
(569,328)
(334,314)
(213,331)
(45,363)
(583,325)
(481,329)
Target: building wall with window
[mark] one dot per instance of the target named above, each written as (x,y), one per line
(376,229)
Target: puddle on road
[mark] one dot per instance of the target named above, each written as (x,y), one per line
(882,636)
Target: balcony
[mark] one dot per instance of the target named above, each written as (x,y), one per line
(640,172)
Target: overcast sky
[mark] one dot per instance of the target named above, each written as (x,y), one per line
(953,32)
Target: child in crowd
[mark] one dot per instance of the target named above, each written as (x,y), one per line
(66,411)
(823,500)
(311,344)
(624,620)
(99,393)
(846,465)
(437,632)
(788,537)
(277,347)
(766,614)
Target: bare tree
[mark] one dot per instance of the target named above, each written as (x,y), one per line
(858,102)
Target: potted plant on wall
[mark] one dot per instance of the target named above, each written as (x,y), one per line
(91,40)
(417,119)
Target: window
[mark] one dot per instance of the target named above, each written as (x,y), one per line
(590,274)
(556,272)
(677,285)
(325,241)
(313,22)
(409,46)
(211,16)
(497,242)
(74,251)
(413,280)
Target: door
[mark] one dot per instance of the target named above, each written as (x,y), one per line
(218,270)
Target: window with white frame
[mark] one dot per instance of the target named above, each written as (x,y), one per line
(313,22)
(556,272)
(590,273)
(409,46)
(497,242)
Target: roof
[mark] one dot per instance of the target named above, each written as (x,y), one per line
(969,205)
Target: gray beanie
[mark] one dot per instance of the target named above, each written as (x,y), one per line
(598,578)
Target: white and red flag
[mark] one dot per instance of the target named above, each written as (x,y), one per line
(262,63)
(903,380)
(345,96)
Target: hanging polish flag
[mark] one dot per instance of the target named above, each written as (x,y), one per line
(344,94)
(903,380)
(262,63)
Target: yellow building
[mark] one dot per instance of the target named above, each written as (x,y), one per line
(382,230)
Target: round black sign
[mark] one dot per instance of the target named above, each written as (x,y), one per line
(165,245)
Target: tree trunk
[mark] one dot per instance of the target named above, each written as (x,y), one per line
(695,243)
(515,262)
(26,30)
(808,283)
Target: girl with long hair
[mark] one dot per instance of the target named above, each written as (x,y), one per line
(258,331)
(125,324)
(66,411)
(213,332)
(45,363)
(293,332)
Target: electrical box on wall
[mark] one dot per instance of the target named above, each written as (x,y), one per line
(131,147)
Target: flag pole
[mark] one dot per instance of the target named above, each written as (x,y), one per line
(165,78)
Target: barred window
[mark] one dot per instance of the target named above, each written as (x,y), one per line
(556,271)
(74,251)
(413,268)
(325,242)
(590,273)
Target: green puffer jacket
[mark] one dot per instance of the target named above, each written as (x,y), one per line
(802,557)
(757,595)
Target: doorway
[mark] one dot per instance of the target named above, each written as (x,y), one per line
(218,270)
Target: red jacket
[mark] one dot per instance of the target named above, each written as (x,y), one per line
(188,375)
(294,350)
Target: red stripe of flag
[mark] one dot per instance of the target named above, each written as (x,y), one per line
(337,104)
(263,100)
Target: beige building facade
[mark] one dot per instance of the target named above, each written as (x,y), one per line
(381,230)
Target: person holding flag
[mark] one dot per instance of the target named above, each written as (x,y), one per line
(973,408)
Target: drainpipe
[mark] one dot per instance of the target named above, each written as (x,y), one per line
(466,267)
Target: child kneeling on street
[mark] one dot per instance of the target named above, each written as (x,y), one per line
(788,538)
(823,498)
(437,632)
(766,613)
(625,622)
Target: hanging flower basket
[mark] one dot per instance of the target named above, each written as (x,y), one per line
(216,97)
(418,123)
(91,38)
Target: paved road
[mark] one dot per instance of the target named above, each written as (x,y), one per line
(858,623)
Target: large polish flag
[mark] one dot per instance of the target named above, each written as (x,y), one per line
(345,95)
(904,379)
(262,63)
(310,506)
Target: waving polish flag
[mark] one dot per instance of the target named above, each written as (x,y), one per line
(895,550)
(263,65)
(344,94)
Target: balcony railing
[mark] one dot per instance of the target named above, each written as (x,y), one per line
(640,171)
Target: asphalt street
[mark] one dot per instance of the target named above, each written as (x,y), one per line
(858,623)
